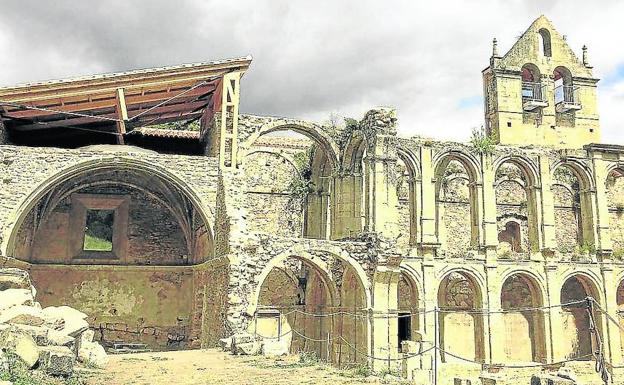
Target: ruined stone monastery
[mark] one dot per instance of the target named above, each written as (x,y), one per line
(146,200)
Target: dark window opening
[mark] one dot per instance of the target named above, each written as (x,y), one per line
(405,327)
(545,47)
(98,232)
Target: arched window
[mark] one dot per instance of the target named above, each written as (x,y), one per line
(564,90)
(544,42)
(532,90)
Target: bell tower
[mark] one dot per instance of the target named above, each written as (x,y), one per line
(540,93)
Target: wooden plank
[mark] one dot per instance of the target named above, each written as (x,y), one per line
(122,115)
(116,80)
(111,102)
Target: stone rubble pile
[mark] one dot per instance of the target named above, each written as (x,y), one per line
(251,345)
(50,339)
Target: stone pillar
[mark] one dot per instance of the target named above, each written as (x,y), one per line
(385,317)
(347,214)
(496,321)
(553,319)
(380,168)
(610,330)
(603,236)
(488,202)
(427,209)
(548,241)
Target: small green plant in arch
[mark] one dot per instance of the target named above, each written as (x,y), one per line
(482,142)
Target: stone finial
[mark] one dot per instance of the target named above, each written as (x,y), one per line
(585,59)
(494,48)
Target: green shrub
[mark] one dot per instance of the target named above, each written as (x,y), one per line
(481,142)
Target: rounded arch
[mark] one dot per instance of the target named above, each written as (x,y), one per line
(526,165)
(410,160)
(580,340)
(106,164)
(456,190)
(312,131)
(469,161)
(309,256)
(289,159)
(510,202)
(544,44)
(354,151)
(410,304)
(531,73)
(562,74)
(521,296)
(461,331)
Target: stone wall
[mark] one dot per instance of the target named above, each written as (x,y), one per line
(152,305)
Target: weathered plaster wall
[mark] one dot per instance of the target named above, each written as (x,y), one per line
(152,305)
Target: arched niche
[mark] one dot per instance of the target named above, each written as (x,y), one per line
(271,177)
(574,227)
(147,221)
(461,327)
(409,312)
(615,204)
(516,212)
(521,299)
(292,300)
(579,343)
(457,218)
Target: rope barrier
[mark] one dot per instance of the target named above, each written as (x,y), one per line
(591,305)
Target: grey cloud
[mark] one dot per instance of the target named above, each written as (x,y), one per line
(310,58)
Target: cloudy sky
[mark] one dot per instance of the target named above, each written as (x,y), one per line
(319,57)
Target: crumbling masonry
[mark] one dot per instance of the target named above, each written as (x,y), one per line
(347,242)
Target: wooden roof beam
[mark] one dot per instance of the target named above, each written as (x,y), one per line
(154,97)
(122,115)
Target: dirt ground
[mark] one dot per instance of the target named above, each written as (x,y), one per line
(202,367)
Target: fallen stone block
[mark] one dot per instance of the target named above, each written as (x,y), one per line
(248,348)
(75,321)
(38,333)
(275,348)
(226,344)
(22,344)
(57,360)
(547,379)
(15,297)
(58,338)
(22,314)
(92,353)
(11,278)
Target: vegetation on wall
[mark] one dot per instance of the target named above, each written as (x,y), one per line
(301,184)
(482,142)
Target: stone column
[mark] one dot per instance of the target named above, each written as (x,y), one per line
(496,320)
(427,207)
(381,160)
(385,317)
(603,236)
(548,240)
(610,330)
(553,318)
(488,202)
